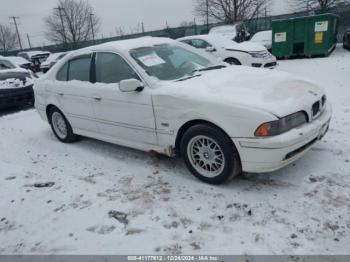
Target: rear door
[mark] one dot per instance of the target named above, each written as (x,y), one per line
(75,92)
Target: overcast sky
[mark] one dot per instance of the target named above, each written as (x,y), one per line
(113,13)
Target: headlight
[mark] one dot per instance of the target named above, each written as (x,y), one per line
(282,125)
(261,54)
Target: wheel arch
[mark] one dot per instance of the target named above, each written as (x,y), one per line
(48,108)
(188,125)
(233,58)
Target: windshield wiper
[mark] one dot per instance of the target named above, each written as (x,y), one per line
(201,70)
(209,68)
(186,78)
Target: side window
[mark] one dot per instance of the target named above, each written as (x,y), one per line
(62,73)
(198,43)
(79,68)
(189,42)
(112,68)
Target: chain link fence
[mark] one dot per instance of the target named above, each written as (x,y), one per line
(254,25)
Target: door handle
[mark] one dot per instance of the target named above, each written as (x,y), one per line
(61,94)
(97,98)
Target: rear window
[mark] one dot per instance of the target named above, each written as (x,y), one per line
(79,68)
(62,73)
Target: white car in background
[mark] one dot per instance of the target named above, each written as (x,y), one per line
(21,62)
(264,38)
(51,60)
(157,94)
(246,53)
(36,57)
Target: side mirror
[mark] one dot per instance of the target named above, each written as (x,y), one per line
(210,49)
(130,85)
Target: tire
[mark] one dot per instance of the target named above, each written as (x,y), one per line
(61,127)
(206,147)
(233,61)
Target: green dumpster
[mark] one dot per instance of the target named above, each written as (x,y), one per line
(307,36)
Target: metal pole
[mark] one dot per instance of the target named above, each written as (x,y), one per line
(207,2)
(195,25)
(19,38)
(257,17)
(30,46)
(92,28)
(143,27)
(62,23)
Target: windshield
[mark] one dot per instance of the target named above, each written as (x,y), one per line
(5,64)
(169,62)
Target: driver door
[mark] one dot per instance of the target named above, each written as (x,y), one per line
(124,116)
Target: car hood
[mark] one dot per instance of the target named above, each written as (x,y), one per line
(14,78)
(246,47)
(272,91)
(261,41)
(13,73)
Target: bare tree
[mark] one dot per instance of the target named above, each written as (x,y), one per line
(8,38)
(230,10)
(119,31)
(71,22)
(302,5)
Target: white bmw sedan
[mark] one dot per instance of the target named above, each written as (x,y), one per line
(156,94)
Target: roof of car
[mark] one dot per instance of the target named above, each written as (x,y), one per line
(196,36)
(125,45)
(18,60)
(33,53)
(224,28)
(10,61)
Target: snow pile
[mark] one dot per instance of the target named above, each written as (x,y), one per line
(14,83)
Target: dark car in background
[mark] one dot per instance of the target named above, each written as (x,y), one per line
(16,85)
(346,39)
(36,57)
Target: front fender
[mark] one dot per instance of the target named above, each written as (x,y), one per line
(172,113)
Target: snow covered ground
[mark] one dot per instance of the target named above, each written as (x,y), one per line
(302,209)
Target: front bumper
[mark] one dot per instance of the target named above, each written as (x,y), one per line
(16,96)
(261,155)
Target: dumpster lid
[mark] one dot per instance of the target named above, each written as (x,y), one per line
(306,16)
